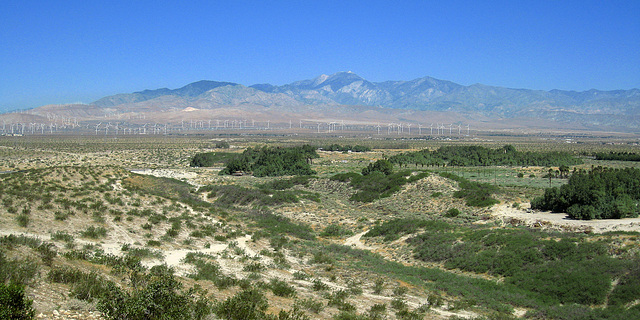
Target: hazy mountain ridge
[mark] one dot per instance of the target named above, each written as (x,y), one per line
(425,93)
(592,108)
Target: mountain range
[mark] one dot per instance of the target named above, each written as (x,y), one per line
(351,96)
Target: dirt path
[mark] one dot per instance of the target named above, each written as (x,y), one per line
(354,241)
(561,221)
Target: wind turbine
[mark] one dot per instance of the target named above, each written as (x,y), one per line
(409,128)
(97,126)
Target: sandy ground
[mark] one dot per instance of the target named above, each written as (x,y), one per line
(168,173)
(560,221)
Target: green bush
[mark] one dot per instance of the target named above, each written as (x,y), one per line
(22,220)
(452,213)
(278,225)
(158,297)
(282,289)
(476,194)
(248,304)
(383,166)
(310,304)
(335,230)
(378,182)
(17,271)
(14,304)
(94,232)
(628,288)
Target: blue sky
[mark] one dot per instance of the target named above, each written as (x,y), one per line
(79,51)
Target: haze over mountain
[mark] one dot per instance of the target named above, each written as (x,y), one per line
(619,108)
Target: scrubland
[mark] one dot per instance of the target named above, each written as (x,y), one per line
(125,228)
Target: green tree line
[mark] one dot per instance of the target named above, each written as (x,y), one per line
(621,156)
(345,148)
(480,156)
(601,193)
(273,161)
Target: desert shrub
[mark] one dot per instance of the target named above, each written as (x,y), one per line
(378,286)
(84,286)
(320,257)
(206,271)
(280,225)
(253,267)
(94,232)
(158,297)
(62,236)
(65,275)
(17,271)
(22,220)
(47,252)
(344,177)
(377,183)
(60,216)
(349,315)
(310,304)
(281,288)
(476,194)
(246,305)
(399,304)
(335,230)
(574,311)
(154,243)
(628,288)
(452,213)
(567,281)
(283,184)
(318,285)
(230,195)
(338,299)
(14,304)
(400,291)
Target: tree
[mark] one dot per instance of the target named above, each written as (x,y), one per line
(564,171)
(384,166)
